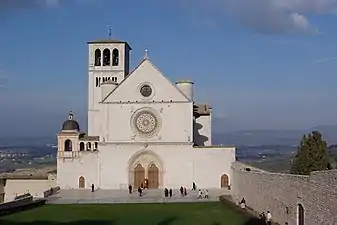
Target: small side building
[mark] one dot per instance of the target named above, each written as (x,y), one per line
(20,182)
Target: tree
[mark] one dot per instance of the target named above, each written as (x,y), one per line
(311,156)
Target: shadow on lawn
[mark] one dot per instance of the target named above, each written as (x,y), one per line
(79,222)
(254,221)
(166,221)
(251,221)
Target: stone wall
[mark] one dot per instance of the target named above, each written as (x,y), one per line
(51,191)
(282,193)
(36,187)
(2,190)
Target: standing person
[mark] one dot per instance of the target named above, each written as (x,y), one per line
(140,191)
(166,192)
(206,193)
(269,218)
(185,191)
(92,187)
(243,203)
(130,189)
(182,191)
(200,194)
(194,186)
(170,192)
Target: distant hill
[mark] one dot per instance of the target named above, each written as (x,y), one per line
(329,133)
(272,137)
(259,137)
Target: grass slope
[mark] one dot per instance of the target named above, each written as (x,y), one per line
(124,214)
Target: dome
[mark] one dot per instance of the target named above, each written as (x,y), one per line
(71,124)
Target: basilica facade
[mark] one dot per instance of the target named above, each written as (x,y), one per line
(142,129)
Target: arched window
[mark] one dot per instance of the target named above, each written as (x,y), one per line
(106,57)
(96,145)
(98,57)
(82,146)
(115,57)
(88,146)
(68,146)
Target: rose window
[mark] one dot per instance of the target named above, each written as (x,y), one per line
(145,123)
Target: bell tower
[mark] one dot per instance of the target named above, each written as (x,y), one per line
(108,60)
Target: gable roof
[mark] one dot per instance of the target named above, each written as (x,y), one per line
(152,64)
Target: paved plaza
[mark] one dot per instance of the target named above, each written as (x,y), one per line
(122,196)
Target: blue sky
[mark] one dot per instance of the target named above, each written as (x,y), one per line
(261,63)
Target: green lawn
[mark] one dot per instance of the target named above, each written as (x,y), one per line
(139,214)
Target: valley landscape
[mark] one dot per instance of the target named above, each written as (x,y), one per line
(271,150)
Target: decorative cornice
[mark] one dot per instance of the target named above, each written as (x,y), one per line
(146,102)
(145,143)
(107,69)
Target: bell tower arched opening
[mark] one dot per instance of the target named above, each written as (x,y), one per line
(115,57)
(82,146)
(106,57)
(68,145)
(98,57)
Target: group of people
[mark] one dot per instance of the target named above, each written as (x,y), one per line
(266,217)
(167,193)
(140,190)
(200,194)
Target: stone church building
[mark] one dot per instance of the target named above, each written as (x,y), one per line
(142,129)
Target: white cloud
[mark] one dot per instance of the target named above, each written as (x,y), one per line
(268,16)
(323,60)
(14,4)
(19,4)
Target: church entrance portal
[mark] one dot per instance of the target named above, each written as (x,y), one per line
(81,182)
(146,170)
(300,220)
(224,181)
(139,176)
(153,176)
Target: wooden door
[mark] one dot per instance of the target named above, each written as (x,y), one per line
(81,182)
(153,176)
(139,176)
(224,181)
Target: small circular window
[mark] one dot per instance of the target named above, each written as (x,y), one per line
(146,90)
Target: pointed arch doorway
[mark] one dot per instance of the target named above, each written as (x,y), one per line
(153,176)
(139,176)
(147,168)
